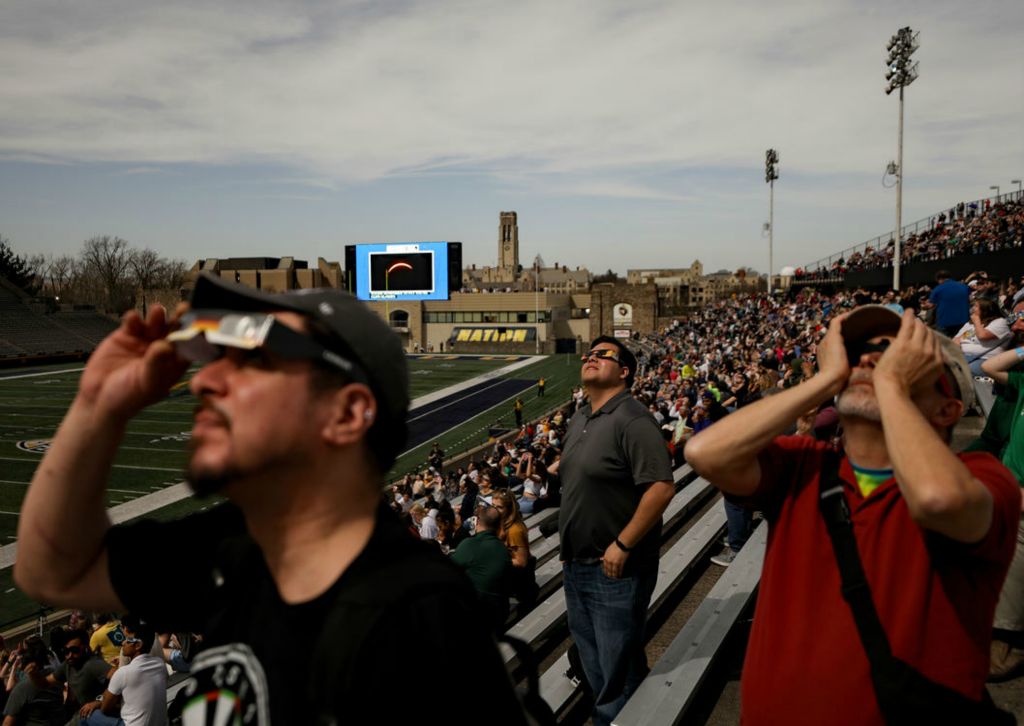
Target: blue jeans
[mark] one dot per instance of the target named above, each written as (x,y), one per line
(739,523)
(606,621)
(98,718)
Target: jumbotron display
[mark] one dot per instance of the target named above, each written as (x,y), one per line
(404,270)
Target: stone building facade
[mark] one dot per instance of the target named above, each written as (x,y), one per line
(622,310)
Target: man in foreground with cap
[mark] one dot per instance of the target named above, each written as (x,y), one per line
(616,482)
(884,562)
(299,582)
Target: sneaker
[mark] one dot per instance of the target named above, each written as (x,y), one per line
(725,557)
(1006,661)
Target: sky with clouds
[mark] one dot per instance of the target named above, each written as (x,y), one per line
(625,134)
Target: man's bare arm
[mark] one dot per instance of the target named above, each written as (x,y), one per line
(61,554)
(999,366)
(941,493)
(726,453)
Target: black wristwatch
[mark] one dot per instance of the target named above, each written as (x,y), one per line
(624,548)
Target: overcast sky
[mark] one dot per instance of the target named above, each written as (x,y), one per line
(625,134)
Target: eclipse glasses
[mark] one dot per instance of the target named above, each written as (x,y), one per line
(602,353)
(204,335)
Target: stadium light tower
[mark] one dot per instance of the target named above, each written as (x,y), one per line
(900,75)
(1017,182)
(996,189)
(771,173)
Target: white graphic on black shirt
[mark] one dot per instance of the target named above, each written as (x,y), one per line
(227,687)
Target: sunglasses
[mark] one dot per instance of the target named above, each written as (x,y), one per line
(1014,317)
(131,641)
(205,334)
(602,354)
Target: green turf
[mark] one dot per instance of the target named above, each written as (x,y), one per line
(153,453)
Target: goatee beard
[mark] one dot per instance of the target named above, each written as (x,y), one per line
(203,485)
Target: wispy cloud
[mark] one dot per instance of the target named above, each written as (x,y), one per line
(648,101)
(358,94)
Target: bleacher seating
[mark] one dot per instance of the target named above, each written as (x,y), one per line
(672,685)
(27,332)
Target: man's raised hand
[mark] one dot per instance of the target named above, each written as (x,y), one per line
(133,367)
(914,359)
(833,362)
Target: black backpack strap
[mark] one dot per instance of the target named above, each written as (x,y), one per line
(904,694)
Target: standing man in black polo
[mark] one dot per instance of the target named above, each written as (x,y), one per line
(616,482)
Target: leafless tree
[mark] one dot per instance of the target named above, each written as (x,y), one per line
(109,259)
(146,268)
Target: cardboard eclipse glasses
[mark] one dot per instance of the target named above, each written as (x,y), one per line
(204,334)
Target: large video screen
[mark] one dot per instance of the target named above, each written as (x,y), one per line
(398,271)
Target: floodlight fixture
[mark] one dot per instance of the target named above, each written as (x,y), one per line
(900,74)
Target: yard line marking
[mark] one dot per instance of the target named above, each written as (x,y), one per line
(8,591)
(13,514)
(116,466)
(140,492)
(44,373)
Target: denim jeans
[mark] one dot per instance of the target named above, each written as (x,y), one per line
(739,523)
(606,621)
(98,718)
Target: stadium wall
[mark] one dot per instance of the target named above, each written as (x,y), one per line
(1001,264)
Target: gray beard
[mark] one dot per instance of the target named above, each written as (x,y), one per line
(848,404)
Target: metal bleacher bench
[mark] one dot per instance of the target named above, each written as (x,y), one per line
(985,395)
(557,685)
(672,684)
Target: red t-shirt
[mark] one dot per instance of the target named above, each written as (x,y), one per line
(935,597)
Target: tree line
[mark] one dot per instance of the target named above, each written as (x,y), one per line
(108,273)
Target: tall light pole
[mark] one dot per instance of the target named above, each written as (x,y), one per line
(1017,182)
(995,188)
(900,75)
(771,173)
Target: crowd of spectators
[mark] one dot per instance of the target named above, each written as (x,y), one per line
(98,670)
(973,228)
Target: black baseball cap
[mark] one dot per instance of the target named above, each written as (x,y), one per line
(355,331)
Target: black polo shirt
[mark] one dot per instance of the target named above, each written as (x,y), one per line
(608,460)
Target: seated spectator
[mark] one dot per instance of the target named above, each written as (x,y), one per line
(107,638)
(984,336)
(516,538)
(487,565)
(513,530)
(137,692)
(85,674)
(34,700)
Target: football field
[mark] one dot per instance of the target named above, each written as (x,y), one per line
(459,397)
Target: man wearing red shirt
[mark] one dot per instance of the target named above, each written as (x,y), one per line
(935,531)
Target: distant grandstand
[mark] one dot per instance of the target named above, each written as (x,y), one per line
(30,332)
(986,234)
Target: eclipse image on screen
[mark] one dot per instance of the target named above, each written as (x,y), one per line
(401,273)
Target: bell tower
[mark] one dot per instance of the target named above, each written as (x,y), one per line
(508,242)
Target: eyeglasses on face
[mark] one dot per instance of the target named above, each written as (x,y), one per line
(1014,317)
(601,354)
(131,641)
